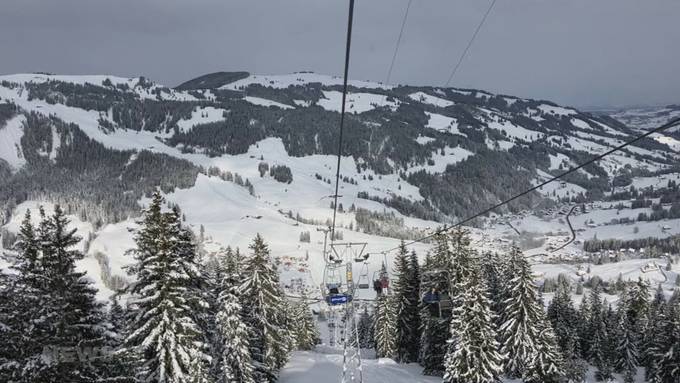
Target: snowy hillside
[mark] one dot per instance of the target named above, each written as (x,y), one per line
(414,155)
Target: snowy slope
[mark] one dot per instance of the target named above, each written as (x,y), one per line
(10,142)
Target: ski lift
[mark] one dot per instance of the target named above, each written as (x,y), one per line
(336,292)
(348,250)
(363,282)
(381,280)
(437,303)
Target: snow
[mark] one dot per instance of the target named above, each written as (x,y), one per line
(22,78)
(98,80)
(514,131)
(56,144)
(313,367)
(451,156)
(659,181)
(580,124)
(265,102)
(423,140)
(429,99)
(556,110)
(670,141)
(560,190)
(559,159)
(443,123)
(302,78)
(628,269)
(500,144)
(114,240)
(355,102)
(201,115)
(10,142)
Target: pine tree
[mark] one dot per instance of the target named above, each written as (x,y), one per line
(406,291)
(626,348)
(385,327)
(73,319)
(235,364)
(521,331)
(434,329)
(492,269)
(598,336)
(475,358)
(262,298)
(22,301)
(638,308)
(364,328)
(564,320)
(414,339)
(583,327)
(163,333)
(305,330)
(656,338)
(669,357)
(546,365)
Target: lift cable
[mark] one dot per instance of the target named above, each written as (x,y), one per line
(342,114)
(396,48)
(668,125)
(472,39)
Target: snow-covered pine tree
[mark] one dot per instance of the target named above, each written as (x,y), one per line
(305,331)
(520,331)
(72,319)
(262,300)
(364,328)
(475,358)
(21,302)
(563,319)
(211,270)
(492,269)
(406,292)
(414,343)
(163,334)
(385,327)
(460,268)
(234,364)
(528,338)
(626,347)
(654,340)
(669,358)
(434,329)
(546,365)
(583,328)
(598,336)
(638,306)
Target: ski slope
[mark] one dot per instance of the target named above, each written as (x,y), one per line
(314,367)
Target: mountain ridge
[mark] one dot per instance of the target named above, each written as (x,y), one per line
(460,148)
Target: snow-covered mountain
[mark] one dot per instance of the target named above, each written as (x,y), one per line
(242,154)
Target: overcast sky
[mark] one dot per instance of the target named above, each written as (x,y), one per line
(575,52)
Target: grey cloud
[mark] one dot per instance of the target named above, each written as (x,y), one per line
(576,52)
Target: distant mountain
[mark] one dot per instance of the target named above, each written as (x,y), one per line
(643,118)
(101,143)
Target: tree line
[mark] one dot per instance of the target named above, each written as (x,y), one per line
(471,317)
(185,318)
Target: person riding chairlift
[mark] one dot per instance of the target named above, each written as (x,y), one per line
(378,287)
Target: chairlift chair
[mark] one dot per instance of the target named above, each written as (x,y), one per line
(364,283)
